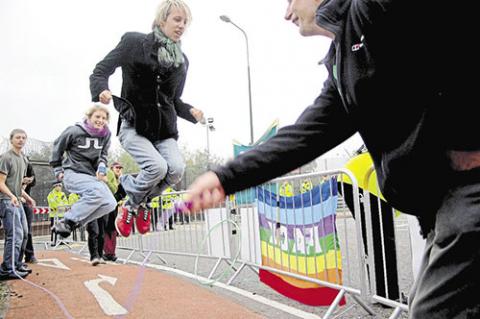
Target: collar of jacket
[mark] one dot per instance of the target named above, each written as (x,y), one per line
(331,13)
(150,46)
(330,16)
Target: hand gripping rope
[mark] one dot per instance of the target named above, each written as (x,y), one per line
(181,207)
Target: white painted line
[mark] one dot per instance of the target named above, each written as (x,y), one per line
(109,305)
(80,259)
(271,303)
(87,261)
(52,262)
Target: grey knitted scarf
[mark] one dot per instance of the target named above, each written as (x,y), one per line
(170,52)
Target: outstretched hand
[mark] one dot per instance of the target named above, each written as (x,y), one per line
(198,115)
(205,192)
(105,97)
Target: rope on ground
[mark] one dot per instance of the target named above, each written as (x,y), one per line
(55,297)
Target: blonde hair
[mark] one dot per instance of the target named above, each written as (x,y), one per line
(165,8)
(97,107)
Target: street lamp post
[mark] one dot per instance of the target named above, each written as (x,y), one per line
(228,20)
(210,128)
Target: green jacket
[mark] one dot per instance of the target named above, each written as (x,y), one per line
(56,199)
(112,181)
(73,198)
(155,202)
(167,200)
(286,189)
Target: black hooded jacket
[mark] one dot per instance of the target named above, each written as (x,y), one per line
(151,94)
(393,80)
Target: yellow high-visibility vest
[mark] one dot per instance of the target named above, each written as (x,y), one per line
(56,199)
(286,189)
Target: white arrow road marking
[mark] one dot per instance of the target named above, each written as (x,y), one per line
(52,262)
(109,306)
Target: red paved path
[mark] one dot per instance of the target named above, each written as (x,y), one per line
(154,294)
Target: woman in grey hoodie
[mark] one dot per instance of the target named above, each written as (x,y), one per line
(83,169)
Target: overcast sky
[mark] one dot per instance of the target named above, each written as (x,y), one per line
(50,47)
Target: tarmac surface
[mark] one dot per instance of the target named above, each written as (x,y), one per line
(66,285)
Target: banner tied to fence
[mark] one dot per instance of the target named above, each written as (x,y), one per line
(298,235)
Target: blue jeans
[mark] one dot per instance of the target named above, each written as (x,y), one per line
(15,226)
(161,165)
(96,199)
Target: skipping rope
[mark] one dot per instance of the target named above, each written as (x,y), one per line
(182,206)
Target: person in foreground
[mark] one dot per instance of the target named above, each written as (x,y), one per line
(390,79)
(28,183)
(154,71)
(13,169)
(84,169)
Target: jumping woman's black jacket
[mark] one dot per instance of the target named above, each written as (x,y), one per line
(151,94)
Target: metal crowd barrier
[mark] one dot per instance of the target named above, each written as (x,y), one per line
(391,264)
(348,276)
(283,233)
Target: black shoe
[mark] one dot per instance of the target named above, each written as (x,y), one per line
(13,275)
(24,268)
(63,228)
(95,261)
(31,260)
(110,257)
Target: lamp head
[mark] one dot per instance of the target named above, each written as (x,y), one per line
(225,18)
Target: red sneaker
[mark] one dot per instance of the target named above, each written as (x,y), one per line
(124,221)
(143,220)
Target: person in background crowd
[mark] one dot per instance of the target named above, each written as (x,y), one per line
(306,186)
(13,169)
(392,79)
(110,237)
(168,200)
(72,199)
(84,168)
(96,233)
(57,204)
(154,71)
(154,205)
(28,182)
(286,189)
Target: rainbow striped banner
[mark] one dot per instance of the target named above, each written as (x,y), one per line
(298,235)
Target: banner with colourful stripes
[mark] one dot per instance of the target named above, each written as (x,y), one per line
(298,235)
(248,196)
